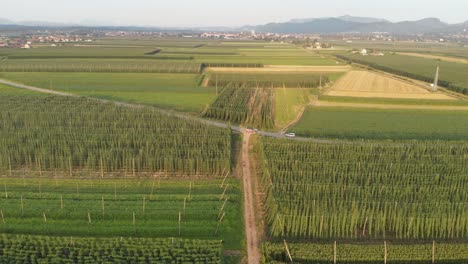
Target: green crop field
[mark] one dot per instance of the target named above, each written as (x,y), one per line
(368,123)
(172,91)
(197,209)
(365,191)
(359,253)
(289,103)
(79,136)
(268,80)
(244,105)
(44,249)
(99,65)
(452,75)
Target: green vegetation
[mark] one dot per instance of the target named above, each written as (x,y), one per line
(311,253)
(452,75)
(42,249)
(288,104)
(268,80)
(99,65)
(84,137)
(394,101)
(368,123)
(404,192)
(201,209)
(244,105)
(171,91)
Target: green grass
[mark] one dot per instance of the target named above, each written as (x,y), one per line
(172,91)
(288,104)
(10,91)
(66,204)
(395,101)
(355,123)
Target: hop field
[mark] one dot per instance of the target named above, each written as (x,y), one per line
(268,80)
(244,105)
(402,191)
(78,137)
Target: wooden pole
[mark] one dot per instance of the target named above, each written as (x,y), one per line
(115,191)
(89,217)
(22,204)
(224,192)
(102,205)
(3,217)
(385,252)
(287,250)
(433,251)
(334,252)
(61,202)
(180,219)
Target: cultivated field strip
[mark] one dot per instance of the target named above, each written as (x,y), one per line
(244,105)
(102,208)
(366,253)
(99,65)
(44,249)
(268,80)
(405,191)
(368,84)
(81,137)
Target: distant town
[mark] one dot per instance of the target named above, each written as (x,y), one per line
(318,41)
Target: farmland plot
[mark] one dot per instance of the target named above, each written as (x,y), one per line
(367,84)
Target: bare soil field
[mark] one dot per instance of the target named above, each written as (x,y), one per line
(282,69)
(373,85)
(436,57)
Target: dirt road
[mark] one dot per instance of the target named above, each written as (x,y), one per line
(253,253)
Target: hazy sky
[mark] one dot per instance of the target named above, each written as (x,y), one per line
(225,12)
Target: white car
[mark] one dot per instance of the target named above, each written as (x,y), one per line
(290,135)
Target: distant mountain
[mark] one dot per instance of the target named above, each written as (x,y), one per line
(5,22)
(362,19)
(346,24)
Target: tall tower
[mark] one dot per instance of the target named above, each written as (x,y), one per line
(436,80)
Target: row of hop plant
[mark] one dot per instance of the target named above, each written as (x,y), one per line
(47,249)
(244,105)
(100,66)
(269,80)
(403,191)
(76,134)
(368,253)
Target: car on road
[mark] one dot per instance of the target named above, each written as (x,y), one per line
(290,135)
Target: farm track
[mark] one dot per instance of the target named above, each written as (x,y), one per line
(162,111)
(253,253)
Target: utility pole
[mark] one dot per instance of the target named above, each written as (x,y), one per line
(436,80)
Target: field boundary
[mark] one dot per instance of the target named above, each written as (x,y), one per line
(388,106)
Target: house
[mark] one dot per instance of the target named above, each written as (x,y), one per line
(364,52)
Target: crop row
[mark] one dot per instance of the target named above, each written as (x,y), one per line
(52,135)
(150,208)
(93,65)
(244,105)
(45,249)
(401,191)
(365,253)
(269,80)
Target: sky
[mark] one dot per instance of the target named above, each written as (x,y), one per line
(186,13)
